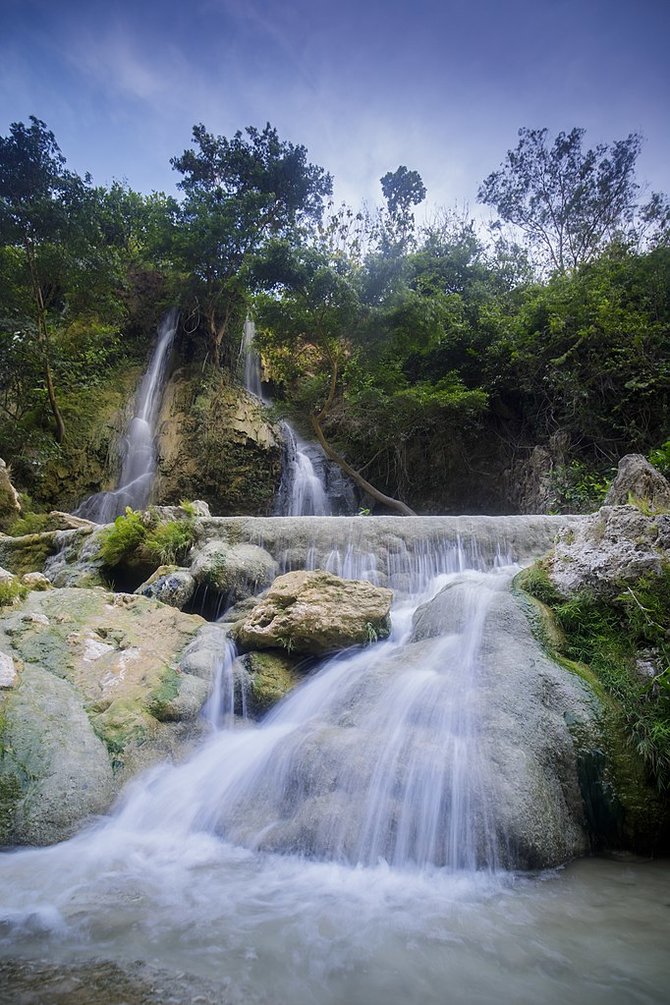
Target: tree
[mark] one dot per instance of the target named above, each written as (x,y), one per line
(402,190)
(39,206)
(240,192)
(568,202)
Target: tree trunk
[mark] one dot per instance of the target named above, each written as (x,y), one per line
(388,501)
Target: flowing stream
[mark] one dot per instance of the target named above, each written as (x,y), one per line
(138,450)
(311,485)
(348,848)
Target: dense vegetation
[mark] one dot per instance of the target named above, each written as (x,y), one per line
(428,360)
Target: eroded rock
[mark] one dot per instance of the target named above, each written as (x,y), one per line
(316,613)
(101,692)
(603,551)
(638,482)
(169,584)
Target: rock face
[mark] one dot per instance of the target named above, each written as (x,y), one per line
(10,504)
(614,546)
(638,481)
(215,442)
(316,613)
(98,691)
(530,759)
(169,584)
(235,570)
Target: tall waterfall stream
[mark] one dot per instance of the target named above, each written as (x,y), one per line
(351,848)
(138,450)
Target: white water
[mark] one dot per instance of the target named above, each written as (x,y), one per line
(371,769)
(303,490)
(138,452)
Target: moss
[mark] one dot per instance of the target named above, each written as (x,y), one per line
(272,676)
(159,700)
(28,553)
(601,640)
(120,726)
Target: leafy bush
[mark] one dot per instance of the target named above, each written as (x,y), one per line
(127,535)
(612,636)
(169,542)
(163,542)
(11,590)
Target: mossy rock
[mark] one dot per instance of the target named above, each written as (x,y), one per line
(27,553)
(599,640)
(272,676)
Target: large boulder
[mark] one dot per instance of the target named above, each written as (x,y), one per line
(169,584)
(608,549)
(93,689)
(638,482)
(234,570)
(316,613)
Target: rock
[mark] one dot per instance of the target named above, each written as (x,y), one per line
(10,504)
(199,508)
(27,553)
(235,570)
(270,677)
(36,581)
(637,481)
(169,584)
(6,576)
(316,613)
(225,449)
(102,692)
(8,673)
(603,551)
(66,521)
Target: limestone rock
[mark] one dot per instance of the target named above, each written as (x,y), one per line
(316,612)
(6,576)
(27,553)
(236,570)
(8,673)
(216,442)
(36,581)
(102,692)
(169,584)
(614,546)
(638,481)
(270,678)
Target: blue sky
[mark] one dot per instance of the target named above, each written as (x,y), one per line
(366,86)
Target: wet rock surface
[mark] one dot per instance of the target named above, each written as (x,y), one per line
(98,692)
(315,613)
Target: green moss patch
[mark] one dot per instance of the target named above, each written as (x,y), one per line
(621,648)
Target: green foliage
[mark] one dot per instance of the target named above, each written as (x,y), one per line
(165,542)
(577,488)
(568,202)
(11,590)
(169,542)
(612,637)
(660,458)
(127,534)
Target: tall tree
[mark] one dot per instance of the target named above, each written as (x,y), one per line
(568,202)
(39,209)
(238,193)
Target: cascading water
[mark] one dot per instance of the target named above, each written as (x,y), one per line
(311,485)
(138,461)
(350,847)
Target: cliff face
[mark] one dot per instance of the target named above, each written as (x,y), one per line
(216,443)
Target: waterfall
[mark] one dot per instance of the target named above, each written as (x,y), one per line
(251,363)
(311,485)
(138,450)
(352,846)
(377,756)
